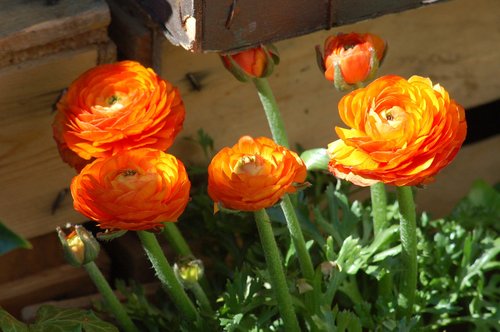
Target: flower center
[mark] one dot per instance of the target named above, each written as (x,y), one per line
(111,104)
(129,172)
(250,165)
(113,99)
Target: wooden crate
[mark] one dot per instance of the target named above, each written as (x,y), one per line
(221,25)
(42,49)
(42,274)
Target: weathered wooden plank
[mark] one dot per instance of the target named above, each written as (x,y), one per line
(30,29)
(230,24)
(56,282)
(31,172)
(476,161)
(134,38)
(420,42)
(28,313)
(30,23)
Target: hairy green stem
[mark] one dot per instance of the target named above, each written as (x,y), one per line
(180,246)
(272,111)
(202,298)
(379,207)
(379,212)
(167,276)
(110,298)
(408,234)
(176,240)
(297,238)
(276,273)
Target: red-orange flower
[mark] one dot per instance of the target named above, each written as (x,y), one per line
(132,190)
(116,107)
(352,58)
(254,62)
(403,132)
(253,174)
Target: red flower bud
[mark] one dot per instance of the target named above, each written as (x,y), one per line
(256,62)
(350,59)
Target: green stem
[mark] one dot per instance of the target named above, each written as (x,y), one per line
(176,240)
(202,298)
(276,273)
(379,211)
(109,296)
(167,276)
(408,234)
(272,111)
(180,246)
(379,207)
(297,238)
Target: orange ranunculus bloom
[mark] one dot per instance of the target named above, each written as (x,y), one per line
(254,62)
(352,58)
(132,190)
(253,174)
(403,132)
(67,155)
(116,107)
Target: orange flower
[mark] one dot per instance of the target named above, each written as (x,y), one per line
(255,62)
(352,58)
(132,190)
(253,174)
(403,132)
(67,155)
(116,107)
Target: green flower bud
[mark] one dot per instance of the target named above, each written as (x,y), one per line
(79,246)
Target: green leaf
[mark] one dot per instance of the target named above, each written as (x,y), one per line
(53,319)
(480,206)
(10,240)
(353,256)
(348,321)
(9,324)
(315,159)
(480,263)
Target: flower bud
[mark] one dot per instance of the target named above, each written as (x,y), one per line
(328,268)
(79,246)
(303,286)
(255,62)
(351,59)
(190,272)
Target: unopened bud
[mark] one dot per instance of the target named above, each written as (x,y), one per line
(79,246)
(328,267)
(255,62)
(303,286)
(189,272)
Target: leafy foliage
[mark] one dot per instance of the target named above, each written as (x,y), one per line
(53,319)
(458,258)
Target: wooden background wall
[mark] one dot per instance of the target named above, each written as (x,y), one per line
(455,43)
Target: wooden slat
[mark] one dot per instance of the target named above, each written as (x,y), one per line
(422,41)
(222,25)
(83,302)
(135,40)
(64,281)
(31,172)
(26,24)
(476,161)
